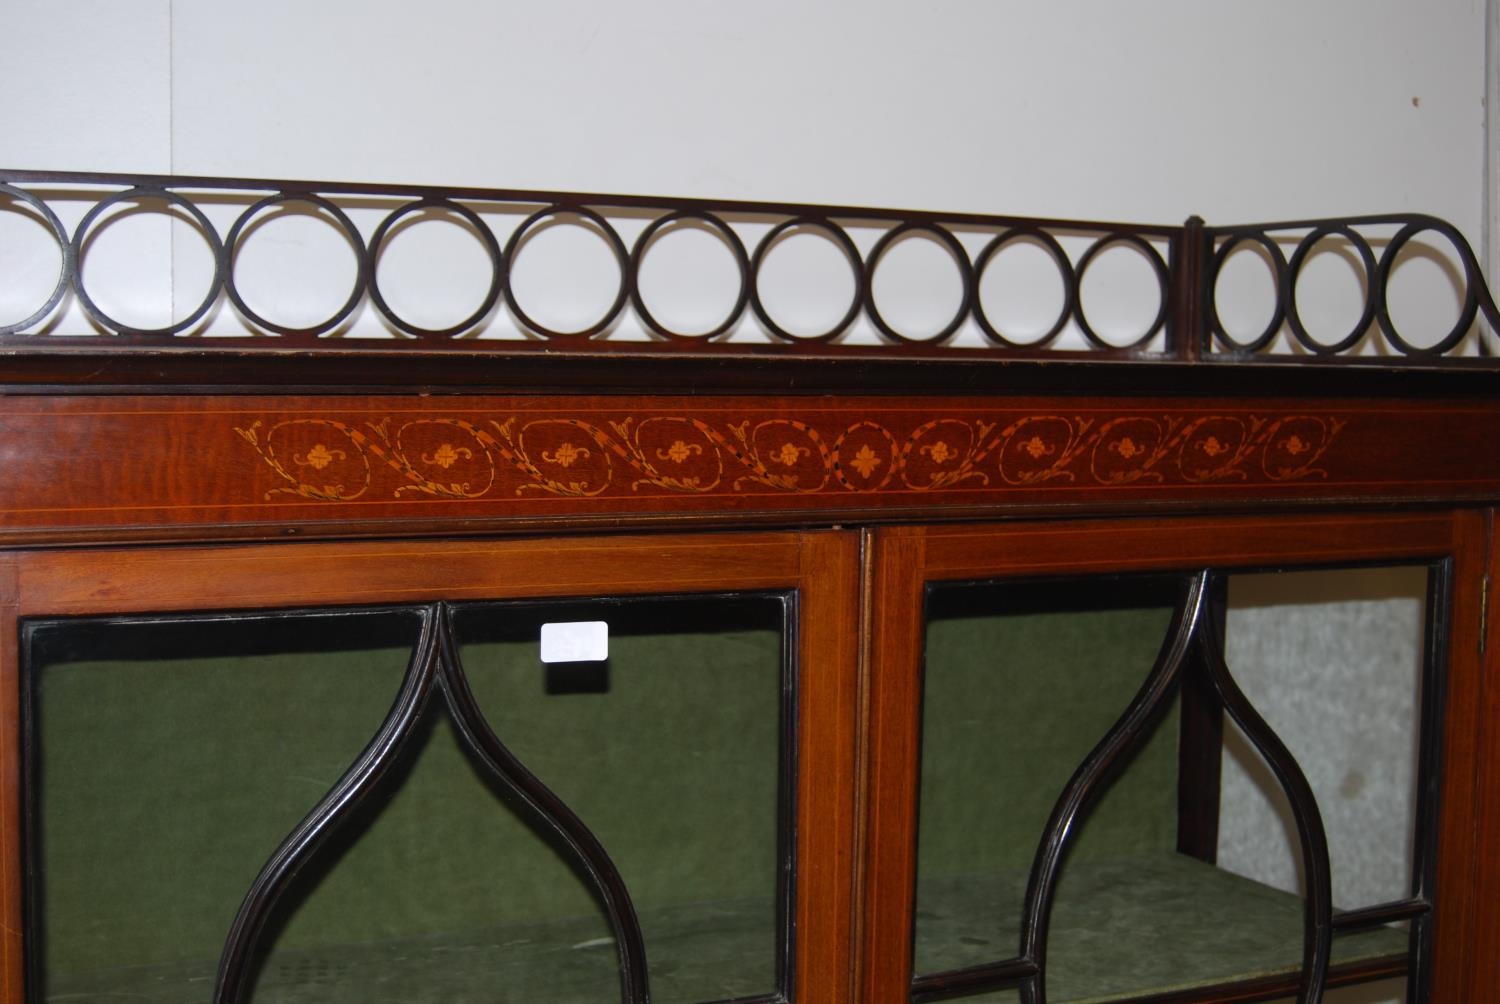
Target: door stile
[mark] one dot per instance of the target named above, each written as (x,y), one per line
(893,704)
(827,750)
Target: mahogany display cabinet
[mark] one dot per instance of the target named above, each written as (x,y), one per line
(368,657)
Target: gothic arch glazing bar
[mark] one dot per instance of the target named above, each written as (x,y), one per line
(1087,782)
(580,840)
(435,663)
(1318,903)
(236,961)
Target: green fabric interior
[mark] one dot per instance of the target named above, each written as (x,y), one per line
(1020,682)
(166,783)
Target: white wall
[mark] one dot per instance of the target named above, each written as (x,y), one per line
(1145,111)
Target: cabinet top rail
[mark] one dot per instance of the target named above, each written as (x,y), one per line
(108,265)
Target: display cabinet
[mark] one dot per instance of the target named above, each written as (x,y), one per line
(456,650)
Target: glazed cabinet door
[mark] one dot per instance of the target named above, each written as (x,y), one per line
(557,772)
(1175,760)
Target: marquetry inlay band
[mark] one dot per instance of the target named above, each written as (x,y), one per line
(465,457)
(320,465)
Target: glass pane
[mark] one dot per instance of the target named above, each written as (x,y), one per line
(1332,659)
(174,756)
(670,751)
(1021,681)
(433,892)
(169,759)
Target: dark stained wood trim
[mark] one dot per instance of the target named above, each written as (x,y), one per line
(12,924)
(93,366)
(1200,752)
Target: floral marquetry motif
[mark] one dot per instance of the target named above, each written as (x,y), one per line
(679,451)
(447,455)
(318,457)
(335,477)
(865,462)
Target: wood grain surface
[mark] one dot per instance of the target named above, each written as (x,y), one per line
(106,467)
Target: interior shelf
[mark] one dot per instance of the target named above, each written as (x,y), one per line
(1122,927)
(700,952)
(1154,923)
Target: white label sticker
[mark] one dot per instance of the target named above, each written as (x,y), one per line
(575,641)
